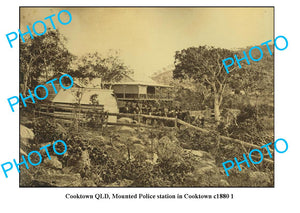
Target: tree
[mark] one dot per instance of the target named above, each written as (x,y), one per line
(257,77)
(190,95)
(92,65)
(43,57)
(203,64)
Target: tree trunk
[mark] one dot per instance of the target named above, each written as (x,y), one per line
(25,83)
(217,108)
(128,151)
(25,87)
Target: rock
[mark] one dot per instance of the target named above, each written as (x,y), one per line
(119,145)
(127,130)
(182,127)
(139,151)
(197,153)
(259,178)
(23,152)
(165,148)
(59,180)
(84,161)
(199,156)
(125,120)
(121,183)
(139,147)
(134,139)
(205,170)
(108,148)
(26,136)
(204,156)
(223,183)
(45,144)
(29,124)
(54,163)
(164,140)
(143,139)
(67,169)
(88,183)
(155,158)
(25,178)
(99,138)
(26,133)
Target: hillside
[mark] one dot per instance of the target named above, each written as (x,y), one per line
(164,76)
(133,157)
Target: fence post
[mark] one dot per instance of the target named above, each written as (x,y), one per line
(34,117)
(79,115)
(139,119)
(47,109)
(52,112)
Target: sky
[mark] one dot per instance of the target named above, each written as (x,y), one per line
(147,38)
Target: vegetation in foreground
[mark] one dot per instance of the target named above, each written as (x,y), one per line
(137,157)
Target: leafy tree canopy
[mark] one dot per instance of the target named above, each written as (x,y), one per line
(204,65)
(43,57)
(109,68)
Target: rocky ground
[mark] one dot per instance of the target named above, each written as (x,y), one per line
(125,156)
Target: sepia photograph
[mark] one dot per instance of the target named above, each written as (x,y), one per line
(146,96)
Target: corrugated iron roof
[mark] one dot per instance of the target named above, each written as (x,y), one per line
(140,83)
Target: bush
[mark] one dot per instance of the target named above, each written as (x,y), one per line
(45,130)
(96,118)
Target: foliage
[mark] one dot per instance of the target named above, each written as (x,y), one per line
(195,66)
(191,139)
(249,125)
(43,57)
(110,167)
(45,130)
(203,64)
(258,77)
(191,95)
(174,171)
(47,55)
(109,68)
(95,117)
(76,144)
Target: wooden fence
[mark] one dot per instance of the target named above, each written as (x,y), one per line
(226,139)
(66,111)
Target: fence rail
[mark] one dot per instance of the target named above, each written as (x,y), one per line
(66,111)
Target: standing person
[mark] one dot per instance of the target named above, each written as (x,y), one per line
(176,111)
(150,110)
(138,109)
(126,109)
(202,121)
(130,107)
(169,112)
(145,112)
(160,113)
(180,113)
(144,109)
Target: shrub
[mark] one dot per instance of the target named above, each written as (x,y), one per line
(45,130)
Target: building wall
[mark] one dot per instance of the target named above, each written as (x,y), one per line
(142,89)
(129,89)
